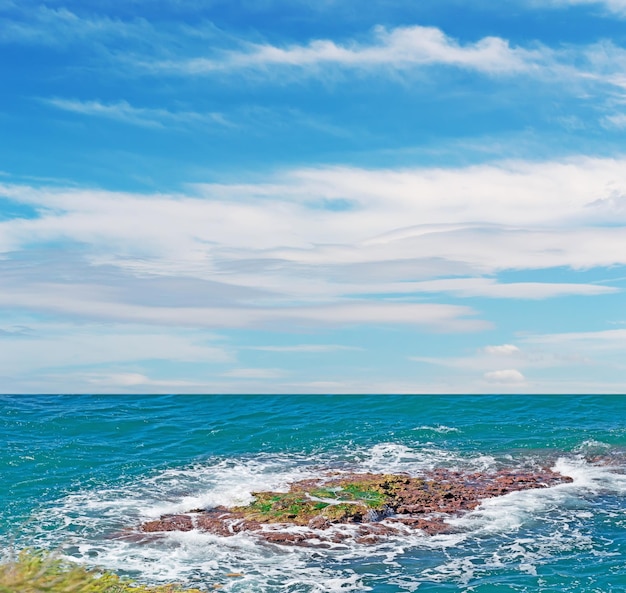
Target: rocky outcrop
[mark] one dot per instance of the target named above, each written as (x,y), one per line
(359,507)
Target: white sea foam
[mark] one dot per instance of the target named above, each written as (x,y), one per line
(440,428)
(509,512)
(592,446)
(203,560)
(394,457)
(591,478)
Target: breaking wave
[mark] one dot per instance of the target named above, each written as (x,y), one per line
(518,533)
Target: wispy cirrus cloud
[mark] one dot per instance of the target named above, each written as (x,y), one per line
(60,27)
(180,49)
(274,254)
(50,345)
(140,116)
(615,120)
(304,348)
(77,301)
(254,373)
(403,235)
(490,288)
(614,7)
(397,49)
(491,359)
(598,340)
(133,381)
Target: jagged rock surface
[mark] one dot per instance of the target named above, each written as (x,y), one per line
(361,507)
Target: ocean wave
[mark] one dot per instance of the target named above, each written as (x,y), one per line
(440,428)
(86,525)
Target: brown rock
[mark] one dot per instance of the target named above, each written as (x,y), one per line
(360,499)
(283,537)
(319,522)
(169,523)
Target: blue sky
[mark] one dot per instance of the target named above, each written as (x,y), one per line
(330,196)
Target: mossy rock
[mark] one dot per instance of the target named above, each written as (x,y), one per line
(273,507)
(374,491)
(345,512)
(357,493)
(281,507)
(339,500)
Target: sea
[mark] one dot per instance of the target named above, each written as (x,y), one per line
(77,473)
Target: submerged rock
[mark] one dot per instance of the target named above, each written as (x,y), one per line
(169,523)
(361,507)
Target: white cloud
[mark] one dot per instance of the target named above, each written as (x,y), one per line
(484,287)
(507,376)
(44,25)
(141,116)
(597,339)
(524,199)
(48,346)
(159,47)
(73,301)
(583,353)
(133,380)
(617,7)
(271,252)
(261,373)
(502,350)
(617,120)
(314,255)
(578,69)
(502,357)
(125,379)
(396,49)
(561,363)
(71,382)
(304,348)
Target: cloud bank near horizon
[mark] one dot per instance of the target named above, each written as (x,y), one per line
(217,204)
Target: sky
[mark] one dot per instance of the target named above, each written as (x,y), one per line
(298,196)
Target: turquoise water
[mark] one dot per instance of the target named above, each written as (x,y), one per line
(76,470)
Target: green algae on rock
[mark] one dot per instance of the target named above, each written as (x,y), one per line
(341,500)
(281,507)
